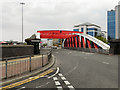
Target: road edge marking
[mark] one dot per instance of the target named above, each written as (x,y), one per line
(26,80)
(55,73)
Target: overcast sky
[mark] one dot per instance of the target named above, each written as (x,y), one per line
(51,14)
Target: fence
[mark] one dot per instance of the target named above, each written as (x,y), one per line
(21,66)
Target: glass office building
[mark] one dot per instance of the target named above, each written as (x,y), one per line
(111,24)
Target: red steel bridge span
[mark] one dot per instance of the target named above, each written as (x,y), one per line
(74,39)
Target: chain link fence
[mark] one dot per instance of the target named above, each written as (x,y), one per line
(11,68)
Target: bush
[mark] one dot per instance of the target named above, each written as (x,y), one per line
(102,39)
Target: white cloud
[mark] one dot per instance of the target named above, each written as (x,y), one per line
(51,14)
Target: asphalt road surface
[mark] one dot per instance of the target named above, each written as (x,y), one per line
(79,70)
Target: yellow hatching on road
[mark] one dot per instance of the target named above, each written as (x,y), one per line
(26,80)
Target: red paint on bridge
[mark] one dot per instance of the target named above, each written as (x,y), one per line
(57,34)
(71,38)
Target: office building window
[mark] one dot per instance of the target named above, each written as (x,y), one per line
(91,33)
(75,29)
(82,29)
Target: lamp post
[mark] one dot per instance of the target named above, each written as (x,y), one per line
(22,19)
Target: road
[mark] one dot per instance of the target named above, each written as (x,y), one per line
(79,70)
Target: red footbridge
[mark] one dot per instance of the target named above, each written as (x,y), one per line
(74,39)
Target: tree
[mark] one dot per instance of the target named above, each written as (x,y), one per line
(102,39)
(45,44)
(109,38)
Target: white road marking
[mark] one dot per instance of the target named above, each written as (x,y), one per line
(30,77)
(66,82)
(71,87)
(63,78)
(55,78)
(72,69)
(55,73)
(109,57)
(20,88)
(42,85)
(89,53)
(57,83)
(105,62)
(60,75)
(59,88)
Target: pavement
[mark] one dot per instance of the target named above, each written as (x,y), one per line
(22,65)
(78,71)
(6,82)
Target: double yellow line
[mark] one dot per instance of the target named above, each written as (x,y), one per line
(26,80)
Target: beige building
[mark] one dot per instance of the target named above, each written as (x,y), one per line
(117,11)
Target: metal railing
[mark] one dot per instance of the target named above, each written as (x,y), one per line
(11,68)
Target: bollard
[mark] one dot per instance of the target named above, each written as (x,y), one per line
(30,65)
(6,68)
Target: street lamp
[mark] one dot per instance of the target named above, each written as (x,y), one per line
(22,19)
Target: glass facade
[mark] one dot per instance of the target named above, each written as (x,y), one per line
(91,29)
(90,33)
(75,29)
(111,24)
(82,29)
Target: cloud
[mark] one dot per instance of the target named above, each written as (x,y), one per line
(51,14)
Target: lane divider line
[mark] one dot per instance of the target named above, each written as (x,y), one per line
(59,88)
(26,80)
(63,78)
(55,78)
(71,87)
(66,82)
(57,83)
(105,63)
(60,74)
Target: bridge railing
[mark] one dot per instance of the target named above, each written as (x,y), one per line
(12,68)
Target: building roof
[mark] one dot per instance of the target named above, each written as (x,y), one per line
(87,24)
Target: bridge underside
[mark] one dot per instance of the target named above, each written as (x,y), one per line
(74,39)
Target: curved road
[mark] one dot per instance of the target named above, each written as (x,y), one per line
(79,70)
